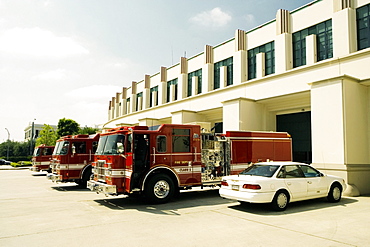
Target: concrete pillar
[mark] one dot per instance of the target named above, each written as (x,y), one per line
(242,114)
(182,85)
(194,87)
(311,49)
(208,70)
(283,42)
(260,65)
(146,92)
(223,77)
(162,89)
(149,122)
(240,60)
(344,31)
(124,101)
(340,127)
(186,116)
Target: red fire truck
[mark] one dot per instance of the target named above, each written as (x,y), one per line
(72,158)
(158,161)
(41,158)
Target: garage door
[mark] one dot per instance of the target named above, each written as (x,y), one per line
(298,125)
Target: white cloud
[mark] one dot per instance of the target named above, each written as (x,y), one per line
(249,18)
(39,42)
(57,74)
(212,18)
(95,92)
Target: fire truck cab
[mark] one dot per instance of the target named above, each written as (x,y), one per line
(41,158)
(72,158)
(158,161)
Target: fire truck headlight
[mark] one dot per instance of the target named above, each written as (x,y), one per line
(108,172)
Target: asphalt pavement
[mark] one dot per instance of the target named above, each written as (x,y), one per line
(36,212)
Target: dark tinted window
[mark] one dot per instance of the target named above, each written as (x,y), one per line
(161,144)
(260,170)
(181,140)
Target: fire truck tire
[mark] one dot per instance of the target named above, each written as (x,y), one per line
(85,177)
(159,189)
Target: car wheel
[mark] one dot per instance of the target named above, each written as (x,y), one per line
(280,201)
(159,189)
(335,193)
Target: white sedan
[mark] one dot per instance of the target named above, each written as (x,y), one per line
(279,183)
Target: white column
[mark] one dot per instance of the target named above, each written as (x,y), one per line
(260,65)
(194,85)
(311,49)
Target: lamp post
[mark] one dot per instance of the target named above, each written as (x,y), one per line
(7,152)
(32,136)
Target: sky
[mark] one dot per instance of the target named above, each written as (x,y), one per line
(68,58)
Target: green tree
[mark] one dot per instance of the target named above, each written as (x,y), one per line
(67,127)
(47,136)
(88,130)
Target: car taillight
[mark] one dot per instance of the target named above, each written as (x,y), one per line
(251,186)
(224,183)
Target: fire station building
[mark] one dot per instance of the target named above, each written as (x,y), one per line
(306,72)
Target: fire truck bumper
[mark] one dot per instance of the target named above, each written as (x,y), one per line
(101,187)
(54,177)
(34,169)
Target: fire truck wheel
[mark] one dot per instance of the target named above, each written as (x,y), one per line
(159,189)
(85,177)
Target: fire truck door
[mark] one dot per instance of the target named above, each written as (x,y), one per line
(140,158)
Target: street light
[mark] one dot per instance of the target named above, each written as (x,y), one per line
(7,152)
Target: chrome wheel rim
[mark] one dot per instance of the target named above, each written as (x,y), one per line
(282,200)
(161,189)
(336,193)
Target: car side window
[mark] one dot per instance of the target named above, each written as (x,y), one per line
(281,173)
(293,171)
(309,172)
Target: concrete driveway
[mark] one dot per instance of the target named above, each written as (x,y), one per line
(36,212)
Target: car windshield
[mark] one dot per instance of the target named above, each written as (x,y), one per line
(108,144)
(260,170)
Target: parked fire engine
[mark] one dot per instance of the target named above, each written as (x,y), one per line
(158,161)
(72,158)
(41,158)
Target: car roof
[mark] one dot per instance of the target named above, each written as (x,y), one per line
(280,163)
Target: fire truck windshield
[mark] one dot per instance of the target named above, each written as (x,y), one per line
(36,152)
(111,144)
(61,148)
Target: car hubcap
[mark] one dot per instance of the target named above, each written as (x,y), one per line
(336,193)
(282,200)
(161,189)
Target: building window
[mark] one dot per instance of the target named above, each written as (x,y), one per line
(363,27)
(139,101)
(153,96)
(269,50)
(197,73)
(324,43)
(128,104)
(229,64)
(169,84)
(181,140)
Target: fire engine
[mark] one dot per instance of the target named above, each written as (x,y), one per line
(41,158)
(156,162)
(72,158)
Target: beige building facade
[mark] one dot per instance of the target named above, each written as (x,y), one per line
(306,72)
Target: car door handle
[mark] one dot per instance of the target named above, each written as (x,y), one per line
(289,183)
(310,182)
